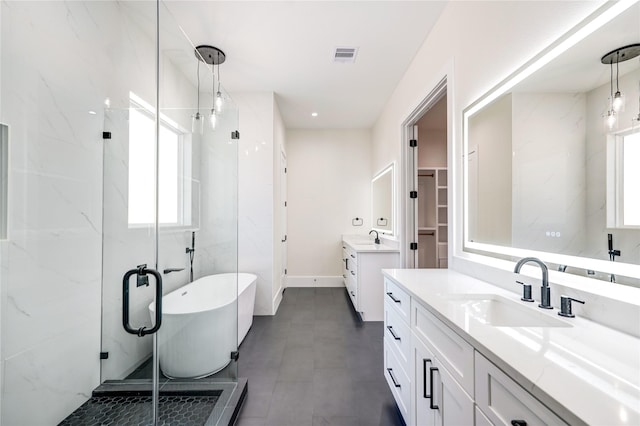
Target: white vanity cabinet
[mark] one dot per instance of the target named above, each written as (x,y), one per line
(504,402)
(443,372)
(362,265)
(438,397)
(450,382)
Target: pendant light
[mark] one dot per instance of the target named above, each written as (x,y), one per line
(212,56)
(219,100)
(617,99)
(213,116)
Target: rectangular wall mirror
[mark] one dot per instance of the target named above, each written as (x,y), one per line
(382,201)
(549,156)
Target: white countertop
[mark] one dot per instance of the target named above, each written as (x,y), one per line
(362,244)
(586,373)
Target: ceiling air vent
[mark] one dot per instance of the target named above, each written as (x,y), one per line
(345,54)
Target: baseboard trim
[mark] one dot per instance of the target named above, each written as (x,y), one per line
(315,281)
(277,299)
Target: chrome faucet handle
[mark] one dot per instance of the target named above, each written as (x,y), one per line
(170,270)
(526,291)
(565,306)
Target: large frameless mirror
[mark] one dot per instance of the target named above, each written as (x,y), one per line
(550,154)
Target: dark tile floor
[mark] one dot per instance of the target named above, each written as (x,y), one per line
(315,363)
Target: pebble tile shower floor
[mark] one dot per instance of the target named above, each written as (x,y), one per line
(133,410)
(315,363)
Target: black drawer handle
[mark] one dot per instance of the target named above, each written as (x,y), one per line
(424,377)
(392,332)
(352,256)
(431,404)
(353,294)
(353,273)
(393,379)
(393,298)
(518,423)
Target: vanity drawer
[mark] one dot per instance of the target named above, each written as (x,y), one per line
(454,353)
(481,419)
(502,400)
(397,332)
(398,298)
(398,381)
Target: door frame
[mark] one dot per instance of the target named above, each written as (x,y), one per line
(409,171)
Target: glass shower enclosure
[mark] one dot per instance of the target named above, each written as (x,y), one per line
(170,217)
(117,200)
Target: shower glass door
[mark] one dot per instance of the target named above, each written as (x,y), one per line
(170,202)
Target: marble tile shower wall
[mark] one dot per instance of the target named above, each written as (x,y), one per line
(51,292)
(549,192)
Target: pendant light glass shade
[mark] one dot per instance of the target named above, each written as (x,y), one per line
(197,123)
(618,102)
(219,101)
(610,121)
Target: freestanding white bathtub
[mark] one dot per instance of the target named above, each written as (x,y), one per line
(199,323)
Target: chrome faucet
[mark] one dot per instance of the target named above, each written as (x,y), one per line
(377,240)
(545,291)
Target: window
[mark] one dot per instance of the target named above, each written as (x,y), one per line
(174,169)
(623,175)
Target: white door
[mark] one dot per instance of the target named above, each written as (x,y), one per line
(283,216)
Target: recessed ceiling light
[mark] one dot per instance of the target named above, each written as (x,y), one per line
(92,112)
(314,114)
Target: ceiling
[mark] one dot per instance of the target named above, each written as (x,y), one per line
(287,47)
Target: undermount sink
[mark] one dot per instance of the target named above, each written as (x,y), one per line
(499,311)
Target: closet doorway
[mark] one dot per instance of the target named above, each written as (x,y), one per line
(427,183)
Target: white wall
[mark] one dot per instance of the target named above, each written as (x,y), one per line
(329,184)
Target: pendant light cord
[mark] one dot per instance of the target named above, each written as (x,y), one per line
(218,71)
(611,81)
(617,70)
(198,76)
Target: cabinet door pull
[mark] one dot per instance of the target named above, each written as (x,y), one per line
(424,378)
(353,273)
(393,379)
(393,298)
(352,256)
(518,423)
(431,404)
(353,294)
(395,336)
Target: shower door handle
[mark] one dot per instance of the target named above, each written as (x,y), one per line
(142,279)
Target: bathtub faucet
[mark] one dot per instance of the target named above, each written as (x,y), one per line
(190,251)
